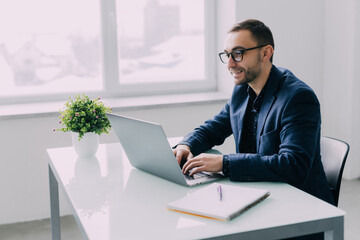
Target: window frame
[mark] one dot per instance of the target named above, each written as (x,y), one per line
(110,57)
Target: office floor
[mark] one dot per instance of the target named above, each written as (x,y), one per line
(40,230)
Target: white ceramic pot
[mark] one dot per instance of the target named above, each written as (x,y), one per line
(87,146)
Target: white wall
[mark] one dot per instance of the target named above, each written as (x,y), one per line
(341,77)
(316,39)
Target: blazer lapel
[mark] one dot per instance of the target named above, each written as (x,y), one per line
(239,103)
(272,86)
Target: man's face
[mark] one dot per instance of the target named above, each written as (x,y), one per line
(249,68)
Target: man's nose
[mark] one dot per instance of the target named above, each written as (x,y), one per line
(231,63)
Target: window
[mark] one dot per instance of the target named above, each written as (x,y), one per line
(49,49)
(52,49)
(160,41)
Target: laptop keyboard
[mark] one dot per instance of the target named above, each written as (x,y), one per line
(195,176)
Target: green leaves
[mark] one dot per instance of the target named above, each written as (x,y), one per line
(83,115)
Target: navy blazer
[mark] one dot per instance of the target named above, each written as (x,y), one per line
(288,135)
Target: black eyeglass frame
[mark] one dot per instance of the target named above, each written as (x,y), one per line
(238,50)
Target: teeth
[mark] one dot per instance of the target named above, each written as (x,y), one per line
(236,72)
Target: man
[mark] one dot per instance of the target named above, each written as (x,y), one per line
(274,117)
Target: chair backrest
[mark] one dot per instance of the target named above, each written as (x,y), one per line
(333,155)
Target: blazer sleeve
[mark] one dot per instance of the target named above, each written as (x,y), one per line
(213,132)
(286,153)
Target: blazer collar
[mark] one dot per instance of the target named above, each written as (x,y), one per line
(273,81)
(272,86)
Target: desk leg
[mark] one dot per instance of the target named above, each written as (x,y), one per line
(54,206)
(338,232)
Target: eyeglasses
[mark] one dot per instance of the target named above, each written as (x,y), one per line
(236,55)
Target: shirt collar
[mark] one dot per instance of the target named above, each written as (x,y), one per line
(256,100)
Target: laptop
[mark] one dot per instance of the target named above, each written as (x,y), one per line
(148,149)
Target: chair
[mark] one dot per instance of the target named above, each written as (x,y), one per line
(333,155)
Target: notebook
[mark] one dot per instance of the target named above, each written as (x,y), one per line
(148,149)
(223,205)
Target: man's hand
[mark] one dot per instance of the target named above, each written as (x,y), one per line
(204,162)
(182,152)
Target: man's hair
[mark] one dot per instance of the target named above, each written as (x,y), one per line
(259,31)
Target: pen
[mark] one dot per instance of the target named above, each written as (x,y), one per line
(220,193)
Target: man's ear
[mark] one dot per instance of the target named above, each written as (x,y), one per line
(268,52)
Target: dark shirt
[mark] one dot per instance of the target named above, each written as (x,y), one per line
(249,126)
(251,121)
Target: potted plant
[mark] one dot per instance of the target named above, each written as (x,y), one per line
(86,119)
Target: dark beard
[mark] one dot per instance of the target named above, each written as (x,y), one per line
(251,75)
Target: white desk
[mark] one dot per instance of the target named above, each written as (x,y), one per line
(111,200)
